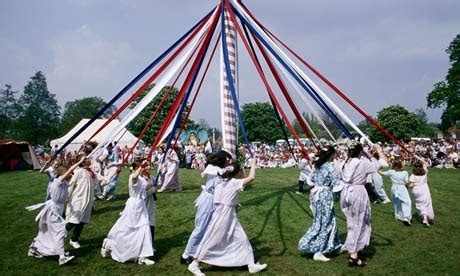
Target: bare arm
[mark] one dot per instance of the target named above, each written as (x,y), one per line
(71,169)
(252,173)
(42,169)
(138,171)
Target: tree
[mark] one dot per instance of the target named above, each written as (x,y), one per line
(312,122)
(399,122)
(137,125)
(76,110)
(260,123)
(446,93)
(39,117)
(8,111)
(425,128)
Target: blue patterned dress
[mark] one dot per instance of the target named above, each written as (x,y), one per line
(322,236)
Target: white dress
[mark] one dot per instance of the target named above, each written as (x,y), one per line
(81,196)
(130,237)
(52,232)
(422,196)
(225,243)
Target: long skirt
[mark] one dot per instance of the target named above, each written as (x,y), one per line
(51,231)
(322,236)
(130,237)
(225,243)
(356,206)
(204,211)
(401,202)
(423,204)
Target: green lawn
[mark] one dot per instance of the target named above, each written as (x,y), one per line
(273,216)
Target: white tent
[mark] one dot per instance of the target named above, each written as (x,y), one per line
(124,137)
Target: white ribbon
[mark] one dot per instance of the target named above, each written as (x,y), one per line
(300,72)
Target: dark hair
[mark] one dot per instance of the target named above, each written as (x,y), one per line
(79,157)
(135,165)
(324,156)
(233,173)
(218,159)
(355,151)
(396,165)
(418,168)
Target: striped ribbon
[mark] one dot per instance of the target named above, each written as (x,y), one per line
(228,112)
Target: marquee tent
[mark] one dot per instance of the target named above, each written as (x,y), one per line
(124,138)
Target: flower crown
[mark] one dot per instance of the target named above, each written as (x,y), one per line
(353,144)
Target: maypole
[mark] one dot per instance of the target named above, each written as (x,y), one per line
(228,113)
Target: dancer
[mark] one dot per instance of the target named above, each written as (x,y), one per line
(322,237)
(171,175)
(377,180)
(51,173)
(401,199)
(306,168)
(151,202)
(225,243)
(81,198)
(130,238)
(354,200)
(205,202)
(51,228)
(110,179)
(418,181)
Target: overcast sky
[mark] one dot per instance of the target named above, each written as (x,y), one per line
(378,52)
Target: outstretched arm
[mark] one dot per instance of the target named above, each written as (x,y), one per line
(71,169)
(252,173)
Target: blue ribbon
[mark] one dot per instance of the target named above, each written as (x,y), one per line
(182,108)
(230,80)
(129,85)
(298,78)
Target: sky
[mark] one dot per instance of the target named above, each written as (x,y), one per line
(379,53)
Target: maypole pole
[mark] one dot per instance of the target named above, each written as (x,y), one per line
(228,113)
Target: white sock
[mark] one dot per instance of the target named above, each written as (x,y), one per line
(184,256)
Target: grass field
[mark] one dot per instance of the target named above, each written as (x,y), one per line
(273,216)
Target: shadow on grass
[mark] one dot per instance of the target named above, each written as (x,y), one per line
(163,246)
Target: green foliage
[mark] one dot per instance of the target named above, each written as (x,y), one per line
(425,128)
(399,122)
(260,123)
(137,125)
(446,94)
(9,110)
(316,126)
(84,108)
(273,217)
(39,117)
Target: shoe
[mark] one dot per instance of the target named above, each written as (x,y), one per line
(320,257)
(298,193)
(355,262)
(187,260)
(100,197)
(195,269)
(406,223)
(75,244)
(66,259)
(34,253)
(343,249)
(386,201)
(426,224)
(145,261)
(110,197)
(256,267)
(105,252)
(160,191)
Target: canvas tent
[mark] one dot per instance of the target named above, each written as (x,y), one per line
(16,155)
(124,137)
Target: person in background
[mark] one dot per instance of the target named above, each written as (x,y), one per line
(418,181)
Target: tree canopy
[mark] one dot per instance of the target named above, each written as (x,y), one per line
(399,122)
(39,116)
(446,93)
(79,109)
(260,123)
(9,109)
(137,125)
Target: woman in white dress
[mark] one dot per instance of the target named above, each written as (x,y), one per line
(171,172)
(225,243)
(130,238)
(354,200)
(52,231)
(418,181)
